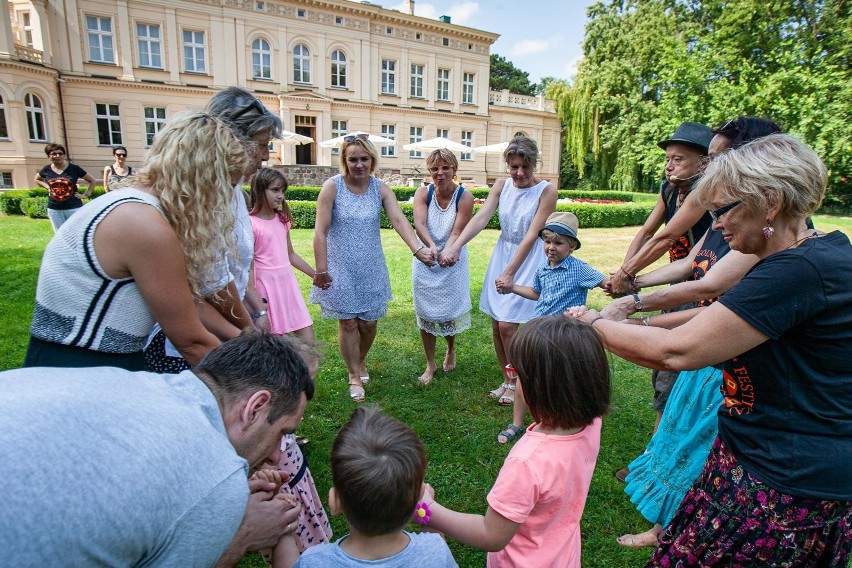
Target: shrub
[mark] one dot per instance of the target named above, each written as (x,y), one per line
(10,201)
(35,207)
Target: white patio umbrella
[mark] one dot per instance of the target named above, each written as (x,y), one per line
(288,137)
(374,138)
(436,144)
(498,148)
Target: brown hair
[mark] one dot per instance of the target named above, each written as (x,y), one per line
(53,147)
(260,183)
(563,370)
(525,148)
(377,469)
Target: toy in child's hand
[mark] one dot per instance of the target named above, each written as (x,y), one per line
(422,513)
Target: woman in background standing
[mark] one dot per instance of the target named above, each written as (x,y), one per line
(59,178)
(118,170)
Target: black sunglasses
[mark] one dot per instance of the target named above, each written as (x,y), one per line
(255,104)
(353,137)
(729,127)
(715,215)
(121,155)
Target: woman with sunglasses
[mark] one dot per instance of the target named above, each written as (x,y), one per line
(352,284)
(60,178)
(118,170)
(776,488)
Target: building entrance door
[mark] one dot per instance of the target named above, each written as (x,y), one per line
(306,153)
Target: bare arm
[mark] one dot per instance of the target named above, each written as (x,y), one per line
(227,302)
(40,181)
(451,252)
(88,192)
(491,532)
(254,302)
(619,282)
(671,272)
(687,216)
(463,217)
(421,213)
(325,205)
(297,261)
(135,240)
(215,323)
(546,206)
(401,225)
(106,179)
(525,292)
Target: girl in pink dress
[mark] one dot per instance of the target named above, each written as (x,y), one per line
(274,257)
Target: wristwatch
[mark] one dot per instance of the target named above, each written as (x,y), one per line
(257,315)
(637,303)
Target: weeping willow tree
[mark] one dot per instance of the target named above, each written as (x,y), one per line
(651,64)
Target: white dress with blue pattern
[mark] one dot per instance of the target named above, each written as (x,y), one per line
(356,262)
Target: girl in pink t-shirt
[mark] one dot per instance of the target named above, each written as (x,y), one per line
(534,508)
(274,257)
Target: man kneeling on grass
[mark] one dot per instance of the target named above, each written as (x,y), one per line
(102,466)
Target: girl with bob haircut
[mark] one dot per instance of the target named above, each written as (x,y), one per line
(148,259)
(534,508)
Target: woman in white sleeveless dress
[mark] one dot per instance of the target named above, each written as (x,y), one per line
(441,293)
(524,202)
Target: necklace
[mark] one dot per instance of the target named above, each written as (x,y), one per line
(808,234)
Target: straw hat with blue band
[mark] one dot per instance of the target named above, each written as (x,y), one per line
(563,223)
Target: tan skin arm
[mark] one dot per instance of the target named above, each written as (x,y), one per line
(525,292)
(88,192)
(297,261)
(215,323)
(325,205)
(40,181)
(401,225)
(619,283)
(546,206)
(714,335)
(421,212)
(463,217)
(106,179)
(227,302)
(450,254)
(134,240)
(254,303)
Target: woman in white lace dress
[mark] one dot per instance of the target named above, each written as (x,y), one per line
(441,293)
(525,201)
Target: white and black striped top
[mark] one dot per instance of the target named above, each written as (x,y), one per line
(77,303)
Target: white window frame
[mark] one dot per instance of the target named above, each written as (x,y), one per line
(154,121)
(418,74)
(415,134)
(339,69)
(34,110)
(25,20)
(261,59)
(4,125)
(6,180)
(104,116)
(149,45)
(194,52)
(467,140)
(442,90)
(443,133)
(469,88)
(338,128)
(388,77)
(301,63)
(99,36)
(389,131)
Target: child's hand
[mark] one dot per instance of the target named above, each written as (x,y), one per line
(270,476)
(504,283)
(427,493)
(322,280)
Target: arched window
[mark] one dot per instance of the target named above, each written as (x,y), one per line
(35,118)
(338,69)
(301,64)
(261,59)
(4,130)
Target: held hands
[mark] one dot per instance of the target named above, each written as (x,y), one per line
(619,309)
(322,280)
(267,516)
(582,313)
(618,284)
(504,283)
(448,257)
(428,256)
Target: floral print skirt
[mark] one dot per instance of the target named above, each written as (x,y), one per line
(730,518)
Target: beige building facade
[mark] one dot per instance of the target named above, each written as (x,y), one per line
(95,74)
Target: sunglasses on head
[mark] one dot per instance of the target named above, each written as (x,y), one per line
(715,215)
(255,104)
(354,137)
(729,127)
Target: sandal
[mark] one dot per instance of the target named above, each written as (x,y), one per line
(364,379)
(508,396)
(509,433)
(356,392)
(498,392)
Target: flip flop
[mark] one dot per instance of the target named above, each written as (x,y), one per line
(510,433)
(508,396)
(356,392)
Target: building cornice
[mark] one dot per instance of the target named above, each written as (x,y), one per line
(29,67)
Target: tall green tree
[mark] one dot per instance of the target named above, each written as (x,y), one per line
(651,64)
(504,75)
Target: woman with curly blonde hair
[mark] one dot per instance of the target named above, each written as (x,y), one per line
(141,255)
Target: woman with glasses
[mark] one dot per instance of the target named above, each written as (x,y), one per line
(140,255)
(776,488)
(60,178)
(118,170)
(352,284)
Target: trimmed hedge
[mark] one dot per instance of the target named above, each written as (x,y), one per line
(590,215)
(10,201)
(35,207)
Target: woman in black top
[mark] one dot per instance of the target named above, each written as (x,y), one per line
(118,170)
(59,178)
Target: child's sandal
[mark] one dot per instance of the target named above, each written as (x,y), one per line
(508,396)
(498,392)
(509,433)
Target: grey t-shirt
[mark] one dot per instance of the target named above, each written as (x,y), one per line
(424,549)
(104,467)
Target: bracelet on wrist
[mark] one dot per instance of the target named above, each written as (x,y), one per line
(257,315)
(592,323)
(320,272)
(624,270)
(421,247)
(422,513)
(646,321)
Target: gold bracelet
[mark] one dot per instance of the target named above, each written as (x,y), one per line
(421,247)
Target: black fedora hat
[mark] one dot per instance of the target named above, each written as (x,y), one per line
(691,133)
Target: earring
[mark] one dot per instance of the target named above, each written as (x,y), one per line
(768,230)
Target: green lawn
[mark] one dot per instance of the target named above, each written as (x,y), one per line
(456,421)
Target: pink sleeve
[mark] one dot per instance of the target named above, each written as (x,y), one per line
(515,492)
